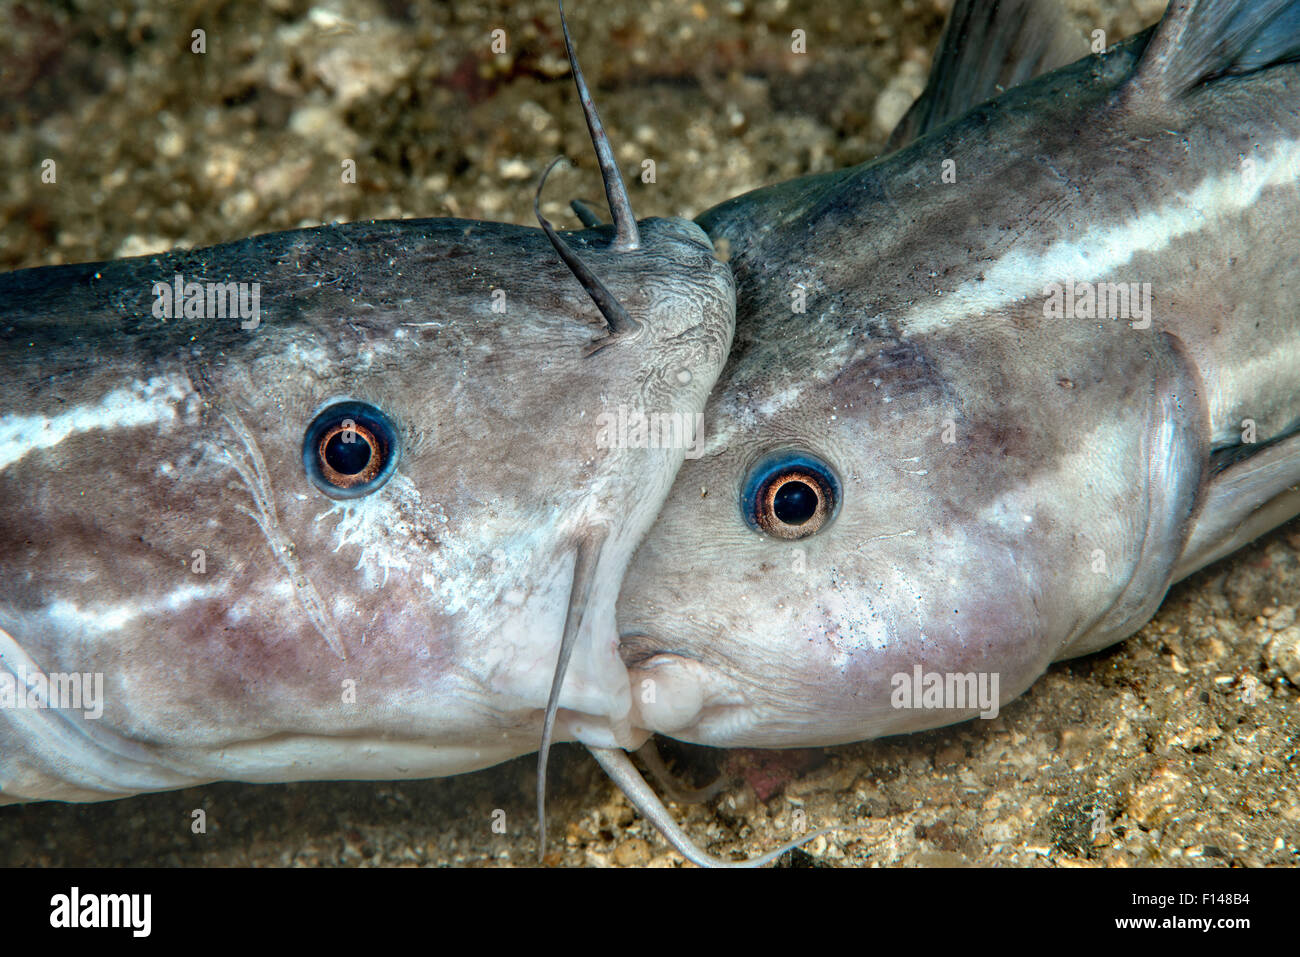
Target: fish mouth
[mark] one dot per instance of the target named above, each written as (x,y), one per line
(675,693)
(635,648)
(638,648)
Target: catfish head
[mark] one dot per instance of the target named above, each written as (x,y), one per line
(926,478)
(339,502)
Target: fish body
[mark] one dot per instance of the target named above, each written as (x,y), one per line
(1007,384)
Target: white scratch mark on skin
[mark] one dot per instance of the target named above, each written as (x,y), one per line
(880,538)
(468,571)
(250,466)
(1021,274)
(392,530)
(142,403)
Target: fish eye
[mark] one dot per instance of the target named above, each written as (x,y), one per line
(790,495)
(350,449)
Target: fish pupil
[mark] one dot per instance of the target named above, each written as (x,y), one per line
(347,458)
(794,503)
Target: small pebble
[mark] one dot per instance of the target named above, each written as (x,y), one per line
(634,852)
(1283,652)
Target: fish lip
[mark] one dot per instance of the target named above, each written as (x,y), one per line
(643,661)
(634,652)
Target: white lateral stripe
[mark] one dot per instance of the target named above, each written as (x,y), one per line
(1020,274)
(100,618)
(143,403)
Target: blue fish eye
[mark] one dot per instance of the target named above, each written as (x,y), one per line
(790,495)
(350,449)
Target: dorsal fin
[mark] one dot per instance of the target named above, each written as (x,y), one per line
(988,46)
(1199,40)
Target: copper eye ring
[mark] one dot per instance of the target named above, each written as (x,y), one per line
(339,477)
(793,504)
